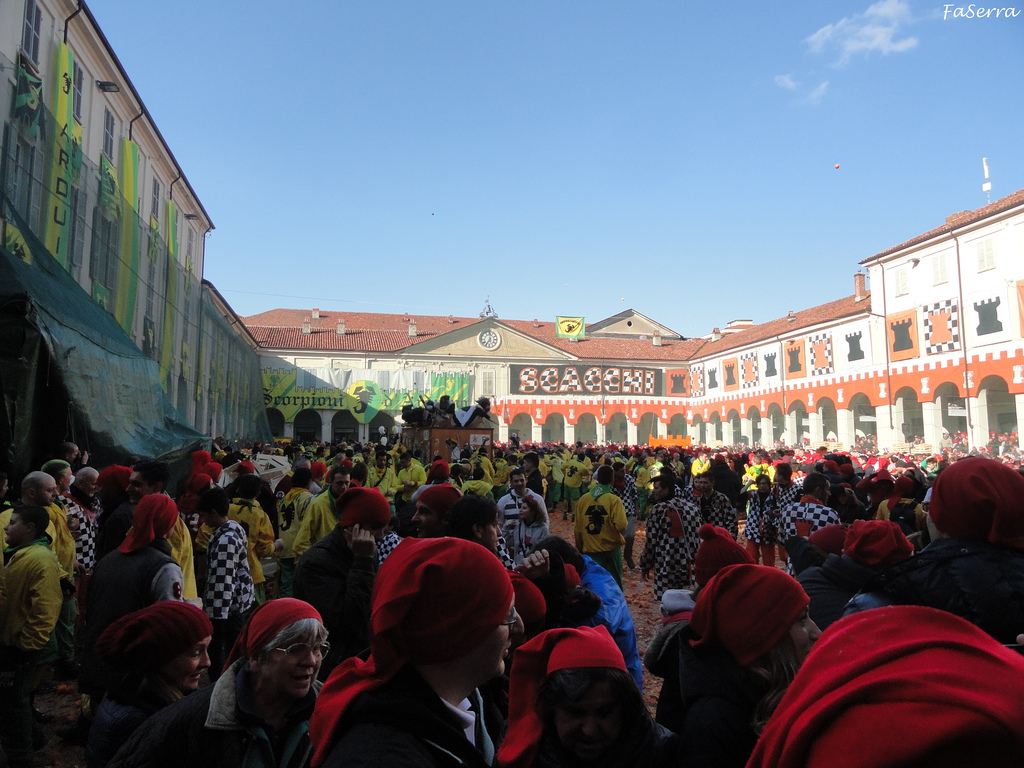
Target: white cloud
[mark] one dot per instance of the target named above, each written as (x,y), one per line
(786,81)
(876,29)
(818,93)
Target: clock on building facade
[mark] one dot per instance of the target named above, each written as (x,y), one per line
(489,339)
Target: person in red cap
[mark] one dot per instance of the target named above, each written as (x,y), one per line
(958,690)
(571,702)
(901,507)
(748,635)
(414,700)
(336,574)
(974,565)
(869,546)
(432,505)
(811,512)
(158,655)
(140,572)
(257,713)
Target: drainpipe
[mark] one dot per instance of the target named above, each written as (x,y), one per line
(69,18)
(963,340)
(131,125)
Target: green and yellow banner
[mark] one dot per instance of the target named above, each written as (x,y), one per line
(15,243)
(62,159)
(570,327)
(170,313)
(28,104)
(128,265)
(364,399)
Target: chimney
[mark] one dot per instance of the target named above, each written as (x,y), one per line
(316,313)
(536,323)
(791,316)
(341,327)
(412,330)
(656,339)
(859,286)
(306,327)
(451,320)
(716,334)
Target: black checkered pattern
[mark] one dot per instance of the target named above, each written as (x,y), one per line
(747,360)
(718,510)
(85,533)
(697,380)
(933,312)
(812,342)
(386,545)
(229,587)
(592,380)
(818,515)
(628,496)
(763,519)
(670,557)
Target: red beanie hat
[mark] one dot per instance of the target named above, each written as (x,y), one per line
(214,470)
(831,467)
(979,498)
(716,550)
(199,460)
(530,603)
(902,488)
(572,577)
(747,609)
(963,692)
(318,469)
(155,516)
(198,482)
(548,652)
(266,622)
(114,478)
(876,543)
(830,538)
(149,638)
(364,506)
(439,472)
(245,468)
(422,613)
(439,498)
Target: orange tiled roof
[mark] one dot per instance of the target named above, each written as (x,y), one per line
(956,221)
(373,332)
(784,326)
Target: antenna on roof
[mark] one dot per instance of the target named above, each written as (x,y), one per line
(488,310)
(987,186)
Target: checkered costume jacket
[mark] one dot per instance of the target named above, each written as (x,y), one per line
(672,541)
(805,517)
(718,510)
(628,495)
(229,588)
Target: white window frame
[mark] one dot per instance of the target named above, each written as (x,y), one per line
(109,129)
(78,81)
(940,274)
(155,205)
(32,30)
(487,379)
(986,255)
(901,282)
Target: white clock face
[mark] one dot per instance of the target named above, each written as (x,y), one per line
(488,339)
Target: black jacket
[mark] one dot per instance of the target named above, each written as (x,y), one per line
(404,724)
(971,578)
(831,585)
(339,585)
(720,698)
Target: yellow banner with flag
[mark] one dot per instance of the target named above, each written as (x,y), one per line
(62,158)
(570,327)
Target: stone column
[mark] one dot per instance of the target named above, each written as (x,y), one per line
(364,433)
(791,420)
(570,433)
(977,407)
(503,432)
(662,427)
(631,432)
(814,427)
(932,415)
(845,429)
(326,433)
(1018,403)
(537,432)
(747,428)
(886,435)
(289,430)
(602,433)
(727,433)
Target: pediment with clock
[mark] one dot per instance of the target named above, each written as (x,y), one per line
(487,338)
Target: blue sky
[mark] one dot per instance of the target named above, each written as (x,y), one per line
(572,157)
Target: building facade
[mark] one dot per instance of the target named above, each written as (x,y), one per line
(934,345)
(86,175)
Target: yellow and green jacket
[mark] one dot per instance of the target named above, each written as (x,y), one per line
(33,598)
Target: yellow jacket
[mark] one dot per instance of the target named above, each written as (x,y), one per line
(320,520)
(63,545)
(32,580)
(181,550)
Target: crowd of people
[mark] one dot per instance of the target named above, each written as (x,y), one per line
(377,606)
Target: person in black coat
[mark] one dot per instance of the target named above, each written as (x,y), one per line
(869,547)
(336,574)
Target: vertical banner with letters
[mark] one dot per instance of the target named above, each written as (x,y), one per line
(62,159)
(128,264)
